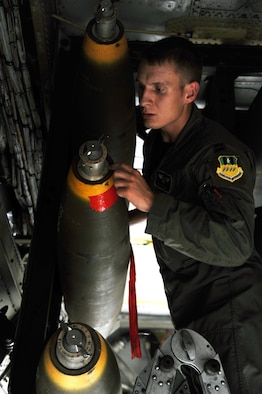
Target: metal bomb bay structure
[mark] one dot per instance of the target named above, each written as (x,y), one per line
(93,241)
(104,90)
(77,359)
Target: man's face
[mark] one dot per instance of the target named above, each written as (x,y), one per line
(162,97)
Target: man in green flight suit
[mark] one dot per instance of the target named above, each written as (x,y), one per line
(196,193)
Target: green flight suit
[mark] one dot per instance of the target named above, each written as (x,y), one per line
(202,226)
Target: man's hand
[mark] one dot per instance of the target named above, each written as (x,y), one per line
(130,184)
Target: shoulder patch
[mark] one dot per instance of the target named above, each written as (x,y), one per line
(228,168)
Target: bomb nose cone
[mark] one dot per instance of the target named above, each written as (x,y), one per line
(77,359)
(92,164)
(91,150)
(74,339)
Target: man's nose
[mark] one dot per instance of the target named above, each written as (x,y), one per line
(145,97)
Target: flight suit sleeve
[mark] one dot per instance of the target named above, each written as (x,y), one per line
(218,228)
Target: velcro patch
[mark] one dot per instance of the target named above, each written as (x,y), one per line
(163,181)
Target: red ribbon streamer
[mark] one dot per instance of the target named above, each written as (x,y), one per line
(133,324)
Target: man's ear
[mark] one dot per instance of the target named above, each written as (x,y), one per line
(191,91)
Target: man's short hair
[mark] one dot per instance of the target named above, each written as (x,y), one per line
(179,51)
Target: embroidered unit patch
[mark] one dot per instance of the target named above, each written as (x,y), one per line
(229,169)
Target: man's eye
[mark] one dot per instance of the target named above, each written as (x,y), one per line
(160,90)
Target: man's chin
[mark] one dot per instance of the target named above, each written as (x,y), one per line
(149,124)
